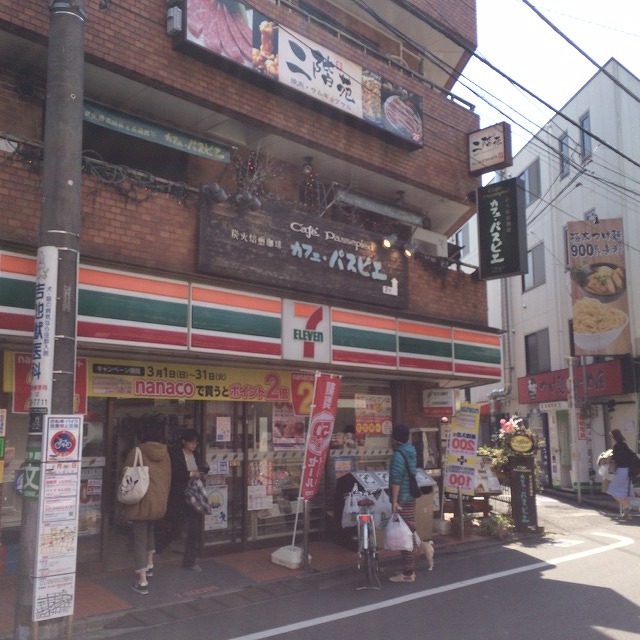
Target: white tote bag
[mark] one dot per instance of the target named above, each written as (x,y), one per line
(135,481)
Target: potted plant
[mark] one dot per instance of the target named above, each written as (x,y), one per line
(514,437)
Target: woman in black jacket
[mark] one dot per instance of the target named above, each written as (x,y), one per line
(185,463)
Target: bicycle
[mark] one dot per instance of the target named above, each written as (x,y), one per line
(367,543)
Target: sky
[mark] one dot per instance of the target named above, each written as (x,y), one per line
(519,43)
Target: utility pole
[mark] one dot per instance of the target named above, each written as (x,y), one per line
(54,347)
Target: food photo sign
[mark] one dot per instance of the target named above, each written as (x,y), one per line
(600,307)
(235,32)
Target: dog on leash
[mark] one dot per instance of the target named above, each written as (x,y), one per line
(428,553)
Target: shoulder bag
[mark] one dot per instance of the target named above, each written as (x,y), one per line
(414,487)
(135,481)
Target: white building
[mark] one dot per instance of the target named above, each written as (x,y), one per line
(581,176)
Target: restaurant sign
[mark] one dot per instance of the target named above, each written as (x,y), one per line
(235,34)
(609,378)
(294,251)
(502,229)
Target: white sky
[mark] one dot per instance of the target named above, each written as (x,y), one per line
(516,41)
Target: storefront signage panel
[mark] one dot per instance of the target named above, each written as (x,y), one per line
(610,378)
(17,371)
(600,307)
(306,331)
(139,379)
(159,134)
(298,252)
(241,37)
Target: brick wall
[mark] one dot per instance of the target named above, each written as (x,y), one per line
(131,38)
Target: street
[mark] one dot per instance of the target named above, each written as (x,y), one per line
(578,580)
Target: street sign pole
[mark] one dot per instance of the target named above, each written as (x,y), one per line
(54,346)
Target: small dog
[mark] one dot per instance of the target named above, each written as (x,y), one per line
(428,553)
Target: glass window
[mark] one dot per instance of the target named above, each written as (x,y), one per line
(585,138)
(537,352)
(563,149)
(531,178)
(535,275)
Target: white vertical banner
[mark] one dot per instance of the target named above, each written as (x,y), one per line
(44,329)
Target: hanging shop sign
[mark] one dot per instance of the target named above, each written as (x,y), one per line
(438,402)
(490,149)
(600,307)
(156,133)
(292,251)
(239,37)
(502,229)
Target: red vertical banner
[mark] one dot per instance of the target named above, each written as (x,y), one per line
(323,414)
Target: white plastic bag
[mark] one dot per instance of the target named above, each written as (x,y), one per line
(351,509)
(382,510)
(135,481)
(398,536)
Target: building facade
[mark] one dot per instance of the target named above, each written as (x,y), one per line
(570,323)
(242,163)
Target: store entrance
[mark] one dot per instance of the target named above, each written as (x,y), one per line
(127,421)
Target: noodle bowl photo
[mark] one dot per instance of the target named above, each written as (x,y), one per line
(596,325)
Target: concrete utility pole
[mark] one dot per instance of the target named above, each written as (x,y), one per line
(59,237)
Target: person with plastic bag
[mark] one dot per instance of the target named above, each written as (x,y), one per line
(403,462)
(185,464)
(153,505)
(620,488)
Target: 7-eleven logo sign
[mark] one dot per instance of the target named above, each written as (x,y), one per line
(306,332)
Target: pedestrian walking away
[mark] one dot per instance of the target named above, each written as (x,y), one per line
(152,507)
(620,488)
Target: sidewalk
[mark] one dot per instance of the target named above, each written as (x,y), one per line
(106,602)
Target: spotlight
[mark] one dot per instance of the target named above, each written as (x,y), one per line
(410,248)
(215,192)
(389,241)
(307,167)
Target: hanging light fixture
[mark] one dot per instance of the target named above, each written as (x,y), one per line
(409,249)
(389,241)
(307,167)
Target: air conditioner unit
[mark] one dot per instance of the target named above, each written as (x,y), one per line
(430,242)
(174,21)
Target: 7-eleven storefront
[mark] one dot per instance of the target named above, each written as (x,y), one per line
(237,366)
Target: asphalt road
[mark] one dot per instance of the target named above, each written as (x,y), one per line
(579,580)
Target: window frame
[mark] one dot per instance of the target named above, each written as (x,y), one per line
(536,274)
(537,364)
(586,148)
(563,152)
(532,184)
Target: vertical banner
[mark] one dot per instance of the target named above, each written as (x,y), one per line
(462,445)
(502,232)
(598,287)
(44,331)
(323,414)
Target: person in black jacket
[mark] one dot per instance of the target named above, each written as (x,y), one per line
(185,463)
